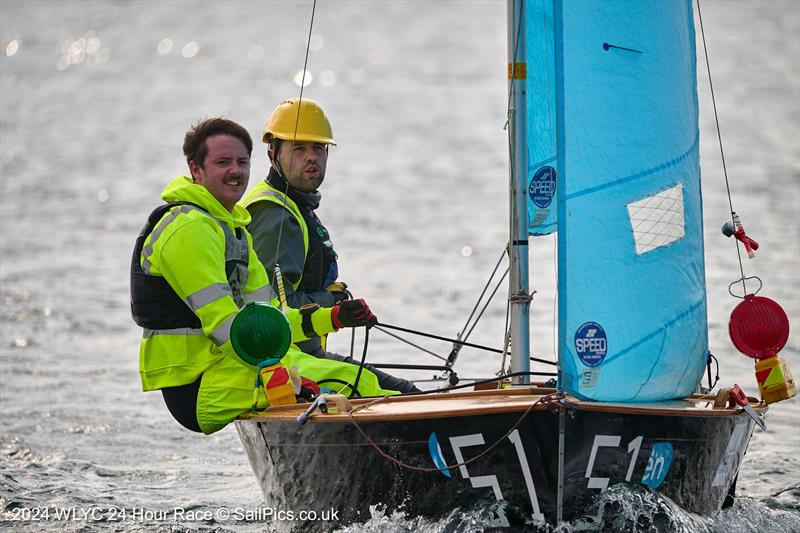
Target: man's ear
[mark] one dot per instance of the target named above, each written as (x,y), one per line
(194,169)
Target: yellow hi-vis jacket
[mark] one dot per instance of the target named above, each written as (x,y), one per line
(264,192)
(187,247)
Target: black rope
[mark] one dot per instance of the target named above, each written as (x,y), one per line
(440,338)
(363,358)
(398,366)
(479,382)
(719,138)
(353,390)
(708,368)
(417,346)
(381,325)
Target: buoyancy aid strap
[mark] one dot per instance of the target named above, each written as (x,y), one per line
(237,254)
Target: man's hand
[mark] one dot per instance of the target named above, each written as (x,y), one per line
(338,290)
(351,314)
(337,286)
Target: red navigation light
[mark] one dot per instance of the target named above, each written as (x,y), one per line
(759,327)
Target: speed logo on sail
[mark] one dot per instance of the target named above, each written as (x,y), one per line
(543,186)
(591,344)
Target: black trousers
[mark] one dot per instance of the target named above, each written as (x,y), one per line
(182,404)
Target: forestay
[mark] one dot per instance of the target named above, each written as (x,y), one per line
(632,301)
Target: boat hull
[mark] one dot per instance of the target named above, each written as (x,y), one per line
(328,466)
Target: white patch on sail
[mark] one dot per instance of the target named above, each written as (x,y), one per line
(657,220)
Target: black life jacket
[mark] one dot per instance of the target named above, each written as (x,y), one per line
(155,304)
(320,268)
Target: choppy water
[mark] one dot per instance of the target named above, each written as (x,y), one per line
(415,199)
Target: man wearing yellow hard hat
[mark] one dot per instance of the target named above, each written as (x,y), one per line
(193,268)
(284,225)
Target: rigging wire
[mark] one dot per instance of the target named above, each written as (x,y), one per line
(453,355)
(296,125)
(491,277)
(719,138)
(483,310)
(467,330)
(380,327)
(506,339)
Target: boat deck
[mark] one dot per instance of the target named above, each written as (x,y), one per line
(516,399)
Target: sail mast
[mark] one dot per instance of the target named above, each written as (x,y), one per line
(518,209)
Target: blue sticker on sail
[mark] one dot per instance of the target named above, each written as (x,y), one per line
(436,455)
(591,344)
(658,464)
(543,186)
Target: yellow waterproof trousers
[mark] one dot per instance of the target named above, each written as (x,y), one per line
(226,389)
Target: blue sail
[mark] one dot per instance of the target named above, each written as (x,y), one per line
(541,103)
(632,300)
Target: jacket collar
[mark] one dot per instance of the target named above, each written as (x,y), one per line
(308,200)
(183,189)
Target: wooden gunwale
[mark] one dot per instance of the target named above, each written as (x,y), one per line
(491,402)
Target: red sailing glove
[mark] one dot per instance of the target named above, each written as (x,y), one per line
(309,389)
(351,314)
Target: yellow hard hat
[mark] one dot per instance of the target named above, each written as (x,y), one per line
(313,125)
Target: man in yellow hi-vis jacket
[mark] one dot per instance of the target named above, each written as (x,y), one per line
(193,268)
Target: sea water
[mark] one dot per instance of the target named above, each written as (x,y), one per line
(95,99)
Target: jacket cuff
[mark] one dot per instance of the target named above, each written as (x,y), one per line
(322,322)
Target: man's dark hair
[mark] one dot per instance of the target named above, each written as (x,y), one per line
(194,143)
